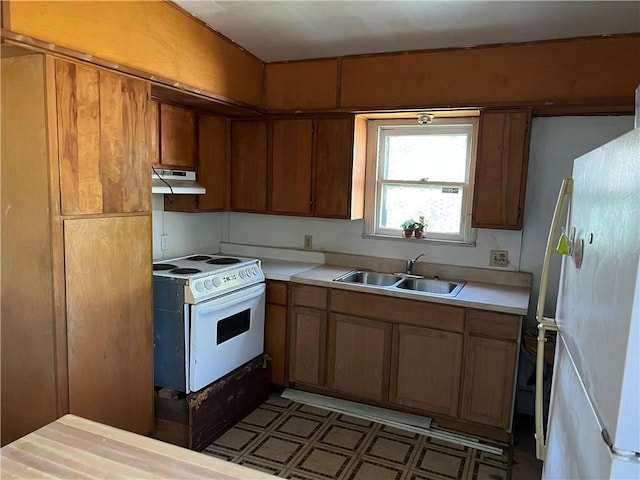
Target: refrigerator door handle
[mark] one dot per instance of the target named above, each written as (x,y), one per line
(546,323)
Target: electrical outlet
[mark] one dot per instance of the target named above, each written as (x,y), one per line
(499,258)
(164,242)
(308,242)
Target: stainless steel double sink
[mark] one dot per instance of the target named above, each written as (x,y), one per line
(426,286)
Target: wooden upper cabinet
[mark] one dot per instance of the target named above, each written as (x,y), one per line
(212,162)
(177,137)
(249,165)
(426,366)
(291,166)
(103,141)
(339,167)
(501,169)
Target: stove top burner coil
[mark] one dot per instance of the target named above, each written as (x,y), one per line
(198,258)
(163,266)
(185,271)
(224,261)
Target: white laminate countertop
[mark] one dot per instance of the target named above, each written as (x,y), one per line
(284,269)
(484,296)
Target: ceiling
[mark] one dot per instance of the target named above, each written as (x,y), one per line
(293,30)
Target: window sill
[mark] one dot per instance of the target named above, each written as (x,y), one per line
(457,243)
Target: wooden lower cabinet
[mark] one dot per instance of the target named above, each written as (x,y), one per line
(455,364)
(308,346)
(426,369)
(358,356)
(489,376)
(275,331)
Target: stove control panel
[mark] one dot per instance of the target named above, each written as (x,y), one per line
(204,287)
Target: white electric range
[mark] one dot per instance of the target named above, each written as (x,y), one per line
(208,317)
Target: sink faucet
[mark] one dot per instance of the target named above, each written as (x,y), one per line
(411,262)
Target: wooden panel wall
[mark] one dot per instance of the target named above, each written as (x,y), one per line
(580,71)
(154,37)
(27,342)
(305,85)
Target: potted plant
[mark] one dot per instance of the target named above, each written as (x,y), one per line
(418,227)
(407,227)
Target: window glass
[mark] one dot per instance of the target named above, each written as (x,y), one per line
(422,171)
(417,156)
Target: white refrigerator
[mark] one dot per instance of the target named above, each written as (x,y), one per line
(593,428)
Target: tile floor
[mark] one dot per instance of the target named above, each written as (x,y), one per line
(297,441)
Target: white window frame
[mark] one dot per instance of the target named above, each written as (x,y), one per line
(374,183)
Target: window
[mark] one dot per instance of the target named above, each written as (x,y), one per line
(421,170)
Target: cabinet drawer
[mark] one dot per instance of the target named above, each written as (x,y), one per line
(398,310)
(492,324)
(314,297)
(276,292)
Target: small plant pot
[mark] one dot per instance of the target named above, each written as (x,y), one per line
(418,233)
(408,233)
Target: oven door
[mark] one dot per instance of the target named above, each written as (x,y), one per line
(226,332)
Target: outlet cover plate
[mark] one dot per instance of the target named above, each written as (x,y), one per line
(499,258)
(308,242)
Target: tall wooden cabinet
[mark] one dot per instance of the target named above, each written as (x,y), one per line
(76,247)
(103,141)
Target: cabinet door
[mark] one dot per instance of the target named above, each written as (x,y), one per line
(334,163)
(489,376)
(308,340)
(275,345)
(212,162)
(249,165)
(154,132)
(501,169)
(177,137)
(358,356)
(109,329)
(292,148)
(426,366)
(103,141)
(275,331)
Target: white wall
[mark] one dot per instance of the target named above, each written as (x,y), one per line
(555,142)
(186,232)
(345,236)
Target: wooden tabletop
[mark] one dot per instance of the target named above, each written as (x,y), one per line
(74,448)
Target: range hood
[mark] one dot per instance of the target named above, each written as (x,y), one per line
(175,182)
